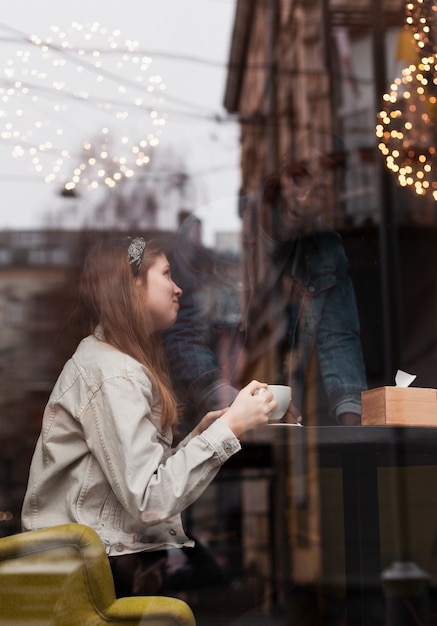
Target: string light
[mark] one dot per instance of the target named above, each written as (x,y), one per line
(60,91)
(421,19)
(406,124)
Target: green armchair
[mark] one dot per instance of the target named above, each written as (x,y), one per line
(61,576)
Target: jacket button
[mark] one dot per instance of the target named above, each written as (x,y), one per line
(172,532)
(311,289)
(119,547)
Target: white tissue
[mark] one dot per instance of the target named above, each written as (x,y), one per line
(402,379)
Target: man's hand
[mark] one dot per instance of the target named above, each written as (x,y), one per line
(350,419)
(292,415)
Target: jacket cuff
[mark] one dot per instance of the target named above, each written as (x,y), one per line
(349,405)
(222,439)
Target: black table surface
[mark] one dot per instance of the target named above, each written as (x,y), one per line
(390,445)
(358,451)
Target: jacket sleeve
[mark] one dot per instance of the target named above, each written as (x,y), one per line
(194,369)
(339,344)
(150,479)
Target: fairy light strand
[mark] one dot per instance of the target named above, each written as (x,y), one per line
(58,76)
(406,126)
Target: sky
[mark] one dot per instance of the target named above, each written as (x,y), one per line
(188,42)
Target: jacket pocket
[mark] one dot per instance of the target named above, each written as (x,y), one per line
(321,282)
(111,512)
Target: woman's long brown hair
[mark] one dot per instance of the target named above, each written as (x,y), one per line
(109,297)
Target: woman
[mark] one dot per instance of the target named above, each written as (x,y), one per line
(104,457)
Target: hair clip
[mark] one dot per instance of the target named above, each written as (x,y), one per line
(135,254)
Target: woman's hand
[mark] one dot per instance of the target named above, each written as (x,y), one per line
(250,410)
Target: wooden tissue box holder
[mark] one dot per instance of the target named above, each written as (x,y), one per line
(399,406)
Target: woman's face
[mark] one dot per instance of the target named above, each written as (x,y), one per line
(160,294)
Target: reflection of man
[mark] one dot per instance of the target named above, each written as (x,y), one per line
(298,295)
(210,301)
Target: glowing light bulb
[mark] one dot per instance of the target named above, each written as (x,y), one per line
(406,127)
(65,81)
(421,21)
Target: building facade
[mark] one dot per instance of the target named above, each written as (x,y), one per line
(308,76)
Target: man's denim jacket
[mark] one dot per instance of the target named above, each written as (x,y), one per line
(325,316)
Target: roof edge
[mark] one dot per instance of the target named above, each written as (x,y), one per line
(238,53)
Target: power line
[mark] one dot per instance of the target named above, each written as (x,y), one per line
(161,175)
(139,109)
(70,53)
(281,69)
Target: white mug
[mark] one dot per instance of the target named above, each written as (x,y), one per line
(282,395)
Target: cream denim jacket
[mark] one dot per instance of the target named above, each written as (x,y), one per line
(103,460)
